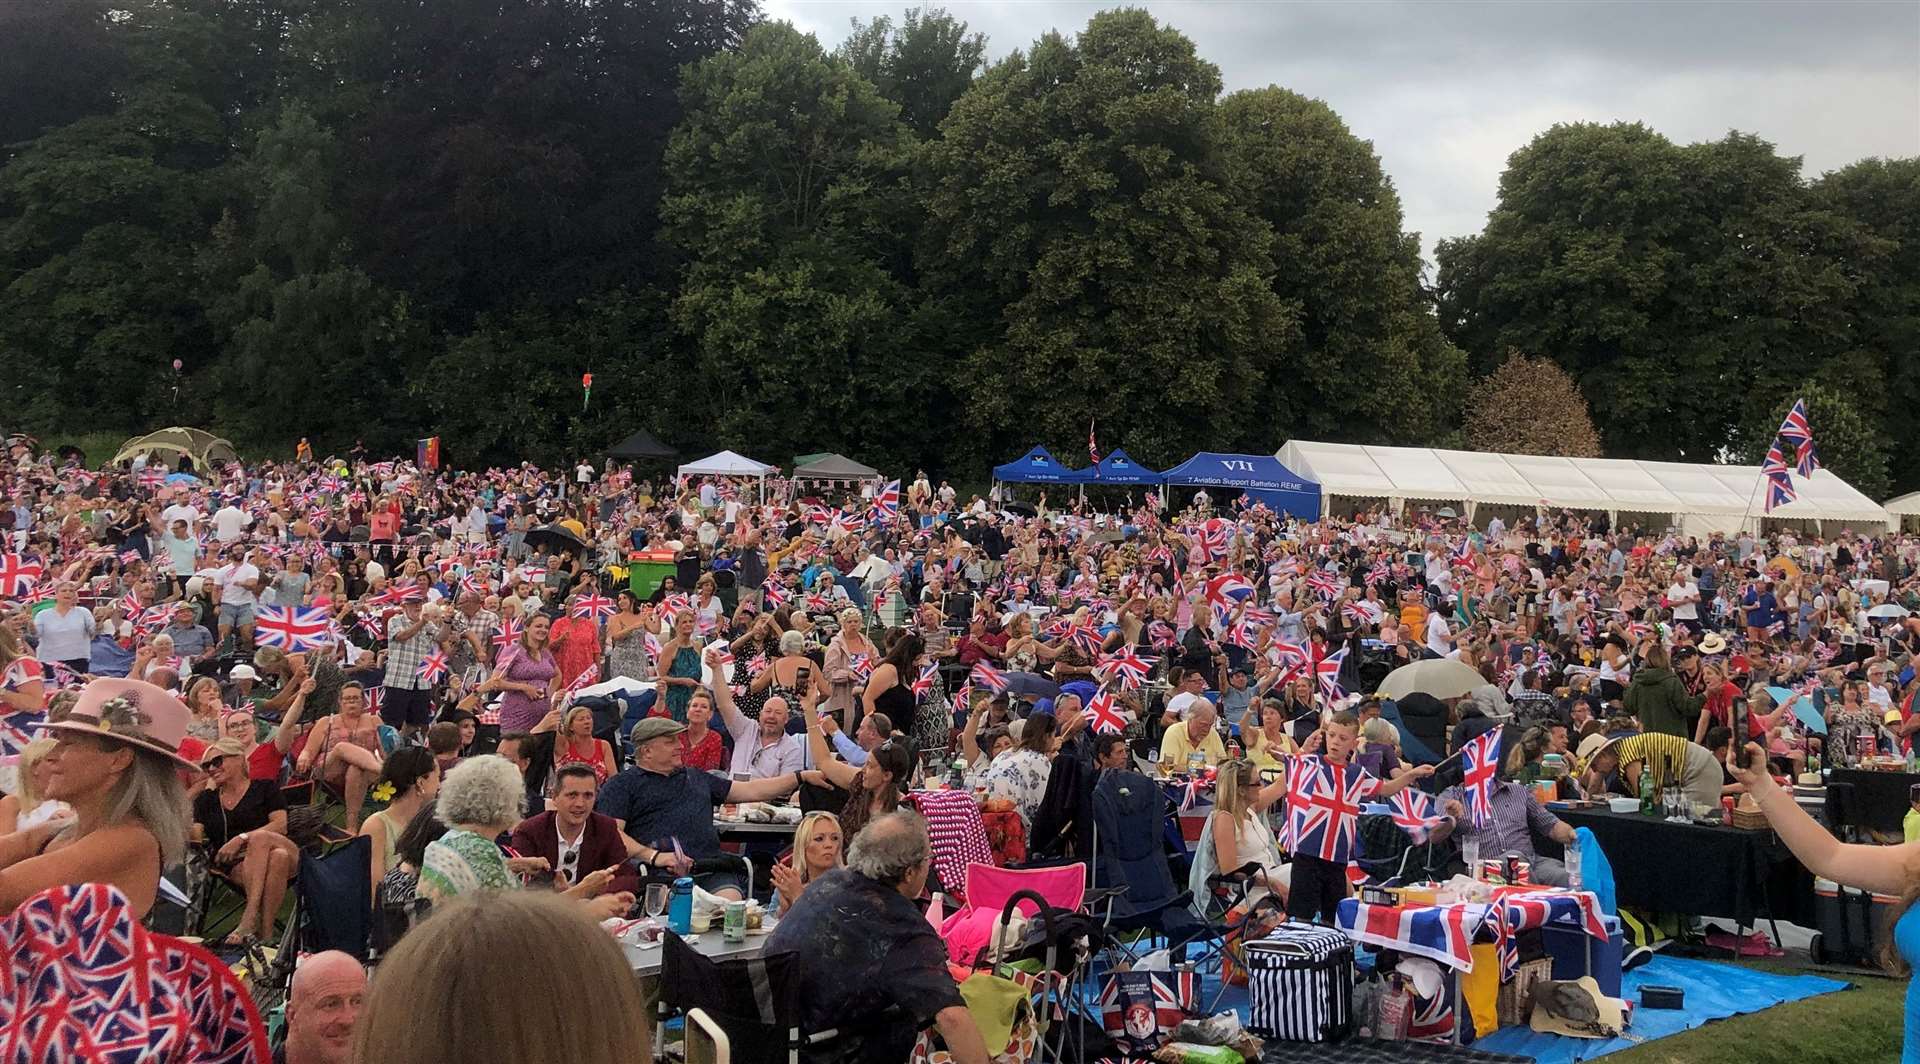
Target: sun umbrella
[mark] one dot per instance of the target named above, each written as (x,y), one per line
(1786,565)
(1888,609)
(1802,708)
(1870,587)
(1440,677)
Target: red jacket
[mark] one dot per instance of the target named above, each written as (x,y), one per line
(600,847)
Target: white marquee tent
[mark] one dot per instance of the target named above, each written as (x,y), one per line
(1698,498)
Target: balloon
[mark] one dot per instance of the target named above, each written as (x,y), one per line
(176,365)
(586,380)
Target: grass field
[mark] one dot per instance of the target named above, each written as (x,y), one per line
(1861,1025)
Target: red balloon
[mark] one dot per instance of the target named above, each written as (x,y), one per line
(176,365)
(586,380)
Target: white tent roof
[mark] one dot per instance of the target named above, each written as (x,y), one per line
(1726,495)
(726,464)
(1903,505)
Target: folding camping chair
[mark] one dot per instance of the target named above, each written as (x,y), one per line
(332,909)
(1139,897)
(755,1001)
(1050,982)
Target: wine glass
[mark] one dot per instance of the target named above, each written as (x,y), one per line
(657,897)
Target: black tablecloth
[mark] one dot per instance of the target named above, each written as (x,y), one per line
(1879,798)
(1699,869)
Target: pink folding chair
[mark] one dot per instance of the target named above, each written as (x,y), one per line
(970,929)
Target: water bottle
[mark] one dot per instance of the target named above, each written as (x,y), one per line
(680,907)
(1470,852)
(1572,863)
(957,778)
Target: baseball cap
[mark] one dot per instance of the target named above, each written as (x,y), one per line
(243,671)
(223,748)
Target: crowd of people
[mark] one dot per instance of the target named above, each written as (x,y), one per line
(464,654)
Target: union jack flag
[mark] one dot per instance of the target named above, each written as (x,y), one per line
(1125,666)
(508,634)
(1103,715)
(923,683)
(775,595)
(653,646)
(152,477)
(1480,761)
(861,666)
(1325,583)
(844,523)
(1226,591)
(1160,634)
(1463,550)
(1323,806)
(1284,653)
(1518,912)
(1795,428)
(1779,491)
(1328,673)
(1413,812)
(1284,566)
(1381,573)
(1212,538)
(433,667)
(988,677)
(1085,637)
(1352,610)
(476,583)
(18,575)
(597,607)
(887,502)
(293,628)
(1806,459)
(676,603)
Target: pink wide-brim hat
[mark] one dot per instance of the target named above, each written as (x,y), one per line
(130,711)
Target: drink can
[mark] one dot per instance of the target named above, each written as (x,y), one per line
(1233,750)
(1726,810)
(1494,870)
(1519,870)
(734,929)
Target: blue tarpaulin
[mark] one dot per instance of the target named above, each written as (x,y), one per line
(1714,991)
(1038,467)
(1118,468)
(1261,476)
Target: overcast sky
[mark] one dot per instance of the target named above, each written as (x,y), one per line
(1445,91)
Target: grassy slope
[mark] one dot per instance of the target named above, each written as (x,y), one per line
(1857,1026)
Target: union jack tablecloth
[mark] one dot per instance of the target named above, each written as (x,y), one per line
(1442,933)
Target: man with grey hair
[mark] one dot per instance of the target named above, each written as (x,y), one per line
(871,966)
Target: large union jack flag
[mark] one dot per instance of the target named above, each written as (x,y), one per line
(1480,762)
(18,575)
(1103,715)
(1226,591)
(1328,673)
(1439,933)
(886,504)
(988,677)
(1126,667)
(293,628)
(1413,812)
(1323,806)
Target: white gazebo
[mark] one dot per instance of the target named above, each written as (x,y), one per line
(729,464)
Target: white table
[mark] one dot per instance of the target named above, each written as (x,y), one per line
(710,944)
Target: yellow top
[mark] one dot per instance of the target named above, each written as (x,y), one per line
(1175,746)
(1263,756)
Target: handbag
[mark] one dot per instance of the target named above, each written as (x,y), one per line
(1247,924)
(1140,1009)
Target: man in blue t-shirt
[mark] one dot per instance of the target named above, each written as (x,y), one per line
(660,801)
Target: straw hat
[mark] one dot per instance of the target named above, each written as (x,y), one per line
(1576,1009)
(130,711)
(1714,643)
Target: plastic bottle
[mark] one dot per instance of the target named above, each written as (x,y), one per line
(1572,863)
(957,778)
(1646,791)
(680,907)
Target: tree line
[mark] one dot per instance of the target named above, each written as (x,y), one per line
(378,220)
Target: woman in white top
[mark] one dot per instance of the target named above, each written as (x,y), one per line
(1237,832)
(65,632)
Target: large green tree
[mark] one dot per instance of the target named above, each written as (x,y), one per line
(923,65)
(1082,226)
(1882,196)
(787,193)
(1339,254)
(1656,274)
